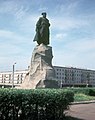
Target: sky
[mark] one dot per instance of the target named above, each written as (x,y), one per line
(72,32)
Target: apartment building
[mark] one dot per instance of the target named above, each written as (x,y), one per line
(6,78)
(75,76)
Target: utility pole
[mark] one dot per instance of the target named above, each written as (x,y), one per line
(13,75)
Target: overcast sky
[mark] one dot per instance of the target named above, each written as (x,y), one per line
(72,32)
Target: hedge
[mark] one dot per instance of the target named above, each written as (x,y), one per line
(86,91)
(39,104)
(92,92)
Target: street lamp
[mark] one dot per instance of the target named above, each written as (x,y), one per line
(13,75)
(61,83)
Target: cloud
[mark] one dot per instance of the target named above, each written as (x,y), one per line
(68,23)
(21,12)
(14,47)
(8,7)
(6,63)
(13,37)
(13,8)
(74,60)
(69,15)
(59,36)
(28,24)
(82,45)
(41,9)
(80,53)
(4,33)
(67,8)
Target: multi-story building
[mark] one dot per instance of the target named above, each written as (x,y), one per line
(6,78)
(69,76)
(66,76)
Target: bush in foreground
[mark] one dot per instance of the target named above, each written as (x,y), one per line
(92,92)
(39,104)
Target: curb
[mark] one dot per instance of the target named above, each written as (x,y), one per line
(82,102)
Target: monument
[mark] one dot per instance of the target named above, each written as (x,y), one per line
(41,73)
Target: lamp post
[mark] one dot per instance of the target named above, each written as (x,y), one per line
(13,75)
(61,83)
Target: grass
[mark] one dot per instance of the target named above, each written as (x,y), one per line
(83,97)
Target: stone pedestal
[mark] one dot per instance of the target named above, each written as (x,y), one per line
(41,72)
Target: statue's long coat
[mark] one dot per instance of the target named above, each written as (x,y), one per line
(42,31)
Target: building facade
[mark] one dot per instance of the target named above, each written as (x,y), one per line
(6,78)
(69,76)
(66,76)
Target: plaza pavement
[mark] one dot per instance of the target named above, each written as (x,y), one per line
(82,111)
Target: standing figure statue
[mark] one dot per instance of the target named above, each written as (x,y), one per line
(42,30)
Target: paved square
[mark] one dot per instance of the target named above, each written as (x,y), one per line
(83,111)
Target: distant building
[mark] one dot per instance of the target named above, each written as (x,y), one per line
(66,76)
(6,78)
(69,76)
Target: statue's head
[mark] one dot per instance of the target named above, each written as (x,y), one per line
(44,14)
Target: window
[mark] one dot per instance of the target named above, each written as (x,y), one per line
(9,78)
(21,77)
(2,78)
(17,79)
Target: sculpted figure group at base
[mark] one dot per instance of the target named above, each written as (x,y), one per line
(42,30)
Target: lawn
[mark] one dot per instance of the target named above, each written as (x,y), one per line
(83,97)
(83,94)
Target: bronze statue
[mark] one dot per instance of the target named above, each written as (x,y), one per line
(42,30)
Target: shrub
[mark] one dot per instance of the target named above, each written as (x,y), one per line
(86,91)
(92,92)
(39,104)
